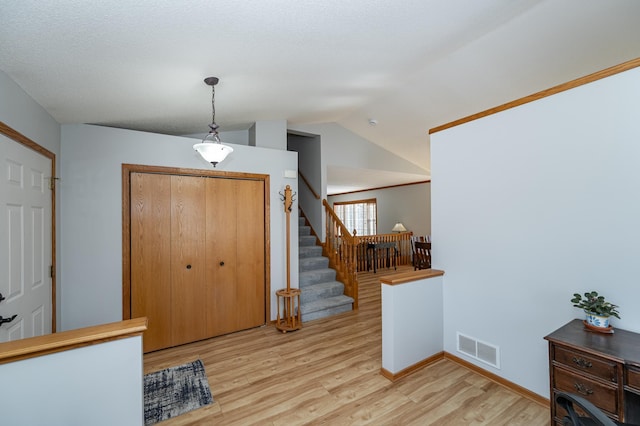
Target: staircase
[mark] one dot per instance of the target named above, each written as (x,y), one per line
(322,295)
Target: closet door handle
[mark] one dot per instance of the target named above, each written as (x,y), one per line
(221,263)
(188,266)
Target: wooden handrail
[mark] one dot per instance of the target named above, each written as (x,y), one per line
(65,340)
(341,249)
(306,182)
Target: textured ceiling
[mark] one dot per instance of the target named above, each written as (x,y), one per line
(410,64)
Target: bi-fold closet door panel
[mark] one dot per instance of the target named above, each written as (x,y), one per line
(236,248)
(250,277)
(188,260)
(150,207)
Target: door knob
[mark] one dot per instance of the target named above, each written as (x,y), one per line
(3,320)
(188,266)
(221,263)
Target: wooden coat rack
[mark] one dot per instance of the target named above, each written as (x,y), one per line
(289,316)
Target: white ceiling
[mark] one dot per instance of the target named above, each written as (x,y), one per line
(409,64)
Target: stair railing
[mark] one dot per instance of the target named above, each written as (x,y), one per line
(402,242)
(341,249)
(349,254)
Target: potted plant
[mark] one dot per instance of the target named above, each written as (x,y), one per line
(597,309)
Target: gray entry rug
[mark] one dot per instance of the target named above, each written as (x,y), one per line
(174,391)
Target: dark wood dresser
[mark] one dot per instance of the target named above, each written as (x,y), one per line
(602,368)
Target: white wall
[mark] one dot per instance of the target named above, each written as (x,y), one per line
(98,385)
(20,112)
(269,134)
(234,137)
(410,333)
(409,204)
(531,205)
(91,209)
(309,151)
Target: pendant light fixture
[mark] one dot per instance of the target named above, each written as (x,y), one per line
(211,148)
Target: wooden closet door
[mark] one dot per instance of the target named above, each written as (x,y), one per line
(235,246)
(222,255)
(250,277)
(188,261)
(150,203)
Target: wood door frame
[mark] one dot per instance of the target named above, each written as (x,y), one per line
(127,169)
(25,141)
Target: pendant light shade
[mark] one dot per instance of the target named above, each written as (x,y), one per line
(211,148)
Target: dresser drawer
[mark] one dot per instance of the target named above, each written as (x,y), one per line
(589,364)
(633,378)
(603,396)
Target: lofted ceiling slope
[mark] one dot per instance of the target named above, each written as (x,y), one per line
(409,64)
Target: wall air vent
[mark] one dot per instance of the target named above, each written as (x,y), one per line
(476,349)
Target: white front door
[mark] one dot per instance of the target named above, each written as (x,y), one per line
(25,241)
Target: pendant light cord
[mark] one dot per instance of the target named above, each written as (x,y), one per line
(214,126)
(213,105)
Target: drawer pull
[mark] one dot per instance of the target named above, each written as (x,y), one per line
(581,362)
(582,389)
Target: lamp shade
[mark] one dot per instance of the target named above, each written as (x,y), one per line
(399,227)
(213,152)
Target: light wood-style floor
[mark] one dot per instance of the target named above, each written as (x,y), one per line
(329,373)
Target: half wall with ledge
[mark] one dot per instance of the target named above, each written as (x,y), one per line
(412,321)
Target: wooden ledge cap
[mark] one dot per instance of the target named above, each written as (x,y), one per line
(406,277)
(65,340)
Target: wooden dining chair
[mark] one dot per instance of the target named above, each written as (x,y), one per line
(421,255)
